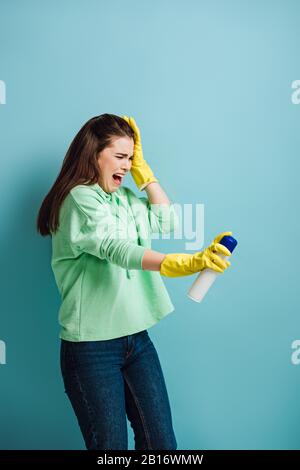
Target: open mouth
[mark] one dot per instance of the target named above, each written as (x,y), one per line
(117,179)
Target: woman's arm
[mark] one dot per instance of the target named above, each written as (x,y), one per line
(152,260)
(162,214)
(156,194)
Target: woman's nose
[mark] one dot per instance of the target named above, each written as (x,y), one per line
(126,165)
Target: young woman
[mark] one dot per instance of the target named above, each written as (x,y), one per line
(111,286)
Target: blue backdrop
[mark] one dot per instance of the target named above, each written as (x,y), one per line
(210,84)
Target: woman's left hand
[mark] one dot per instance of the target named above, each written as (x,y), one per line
(140,170)
(138,157)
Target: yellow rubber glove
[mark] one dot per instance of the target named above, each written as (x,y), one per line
(140,170)
(182,264)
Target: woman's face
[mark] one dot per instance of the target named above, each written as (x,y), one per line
(112,162)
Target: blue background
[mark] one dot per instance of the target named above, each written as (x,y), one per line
(209,84)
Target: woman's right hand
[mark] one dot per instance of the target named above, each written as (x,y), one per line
(182,264)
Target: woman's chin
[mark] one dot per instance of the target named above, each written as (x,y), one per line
(109,188)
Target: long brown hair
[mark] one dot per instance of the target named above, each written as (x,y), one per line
(80,165)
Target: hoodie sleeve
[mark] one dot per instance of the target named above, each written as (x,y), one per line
(91,227)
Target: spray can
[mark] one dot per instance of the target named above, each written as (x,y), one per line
(207,277)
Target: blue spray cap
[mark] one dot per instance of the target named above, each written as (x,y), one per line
(229,242)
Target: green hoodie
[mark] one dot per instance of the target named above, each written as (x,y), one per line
(97,256)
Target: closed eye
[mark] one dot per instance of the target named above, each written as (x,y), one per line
(131,158)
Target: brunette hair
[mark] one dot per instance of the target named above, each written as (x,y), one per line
(80,165)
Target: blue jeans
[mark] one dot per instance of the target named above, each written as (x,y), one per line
(108,380)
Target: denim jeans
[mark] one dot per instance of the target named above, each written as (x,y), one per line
(111,380)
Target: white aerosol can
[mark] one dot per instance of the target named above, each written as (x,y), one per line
(207,277)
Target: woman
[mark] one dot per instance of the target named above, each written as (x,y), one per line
(111,286)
